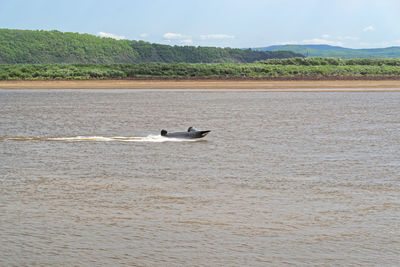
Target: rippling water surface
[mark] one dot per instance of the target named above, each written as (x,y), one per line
(282,179)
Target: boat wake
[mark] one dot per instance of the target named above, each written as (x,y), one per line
(149,138)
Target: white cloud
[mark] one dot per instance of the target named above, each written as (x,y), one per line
(144,35)
(326,39)
(183,39)
(187,41)
(111,35)
(216,36)
(321,41)
(171,35)
(369,28)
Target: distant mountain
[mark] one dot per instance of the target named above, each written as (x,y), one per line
(25,46)
(335,51)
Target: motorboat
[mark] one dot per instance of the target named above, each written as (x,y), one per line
(191,133)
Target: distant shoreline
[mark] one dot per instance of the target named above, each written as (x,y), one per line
(262,84)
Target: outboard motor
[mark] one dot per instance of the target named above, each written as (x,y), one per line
(163,132)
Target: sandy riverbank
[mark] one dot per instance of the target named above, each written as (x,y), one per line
(310,85)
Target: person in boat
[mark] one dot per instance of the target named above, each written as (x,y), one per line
(190,129)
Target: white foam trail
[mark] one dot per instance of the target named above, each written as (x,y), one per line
(149,138)
(79,138)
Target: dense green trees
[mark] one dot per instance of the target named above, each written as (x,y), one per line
(18,46)
(297,68)
(35,47)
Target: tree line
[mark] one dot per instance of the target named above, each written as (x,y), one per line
(46,47)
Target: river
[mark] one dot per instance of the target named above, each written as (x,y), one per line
(296,178)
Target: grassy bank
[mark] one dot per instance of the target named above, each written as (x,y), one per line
(295,68)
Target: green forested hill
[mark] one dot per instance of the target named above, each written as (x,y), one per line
(336,51)
(26,46)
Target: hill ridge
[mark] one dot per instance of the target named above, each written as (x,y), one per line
(39,46)
(324,50)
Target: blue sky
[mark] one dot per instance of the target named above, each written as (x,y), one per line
(225,23)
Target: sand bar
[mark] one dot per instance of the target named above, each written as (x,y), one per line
(265,85)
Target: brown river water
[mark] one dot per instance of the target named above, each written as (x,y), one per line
(299,178)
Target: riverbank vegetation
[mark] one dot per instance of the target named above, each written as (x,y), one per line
(294,68)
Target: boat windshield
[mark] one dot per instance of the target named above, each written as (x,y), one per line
(192,129)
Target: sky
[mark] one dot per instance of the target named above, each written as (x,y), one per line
(222,23)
